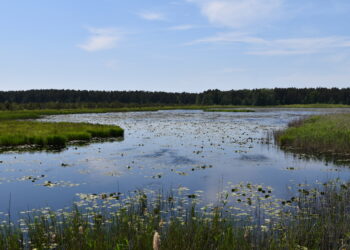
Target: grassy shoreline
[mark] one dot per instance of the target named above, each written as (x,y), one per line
(321,135)
(47,134)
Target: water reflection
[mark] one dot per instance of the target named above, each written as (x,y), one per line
(162,150)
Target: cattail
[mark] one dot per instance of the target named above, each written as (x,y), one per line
(156,241)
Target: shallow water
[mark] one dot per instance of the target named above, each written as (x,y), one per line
(163,150)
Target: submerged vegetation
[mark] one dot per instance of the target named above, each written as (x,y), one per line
(316,218)
(45,134)
(320,135)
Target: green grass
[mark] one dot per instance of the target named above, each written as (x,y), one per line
(46,134)
(316,218)
(324,134)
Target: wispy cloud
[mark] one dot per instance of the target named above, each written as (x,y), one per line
(152,16)
(229,37)
(290,46)
(101,39)
(238,13)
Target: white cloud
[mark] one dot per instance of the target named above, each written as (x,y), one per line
(152,16)
(238,13)
(182,27)
(101,39)
(291,46)
(230,37)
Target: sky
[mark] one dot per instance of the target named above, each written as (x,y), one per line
(174,45)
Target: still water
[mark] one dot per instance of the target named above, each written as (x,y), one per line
(160,151)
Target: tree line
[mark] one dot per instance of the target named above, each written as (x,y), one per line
(52,98)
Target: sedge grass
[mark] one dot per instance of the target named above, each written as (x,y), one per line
(320,135)
(46,134)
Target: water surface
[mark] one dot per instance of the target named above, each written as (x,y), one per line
(163,150)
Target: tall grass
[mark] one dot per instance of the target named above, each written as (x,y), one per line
(316,218)
(42,134)
(323,134)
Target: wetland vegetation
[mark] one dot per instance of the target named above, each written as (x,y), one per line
(245,216)
(320,135)
(46,134)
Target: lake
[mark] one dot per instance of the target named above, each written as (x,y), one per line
(161,151)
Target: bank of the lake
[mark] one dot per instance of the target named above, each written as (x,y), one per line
(22,113)
(321,135)
(47,134)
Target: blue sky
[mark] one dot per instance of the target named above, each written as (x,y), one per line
(174,45)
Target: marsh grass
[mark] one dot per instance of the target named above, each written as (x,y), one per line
(316,218)
(320,135)
(46,134)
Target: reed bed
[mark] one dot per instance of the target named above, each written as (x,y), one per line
(316,218)
(320,135)
(46,134)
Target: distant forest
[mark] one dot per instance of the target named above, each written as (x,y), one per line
(260,97)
